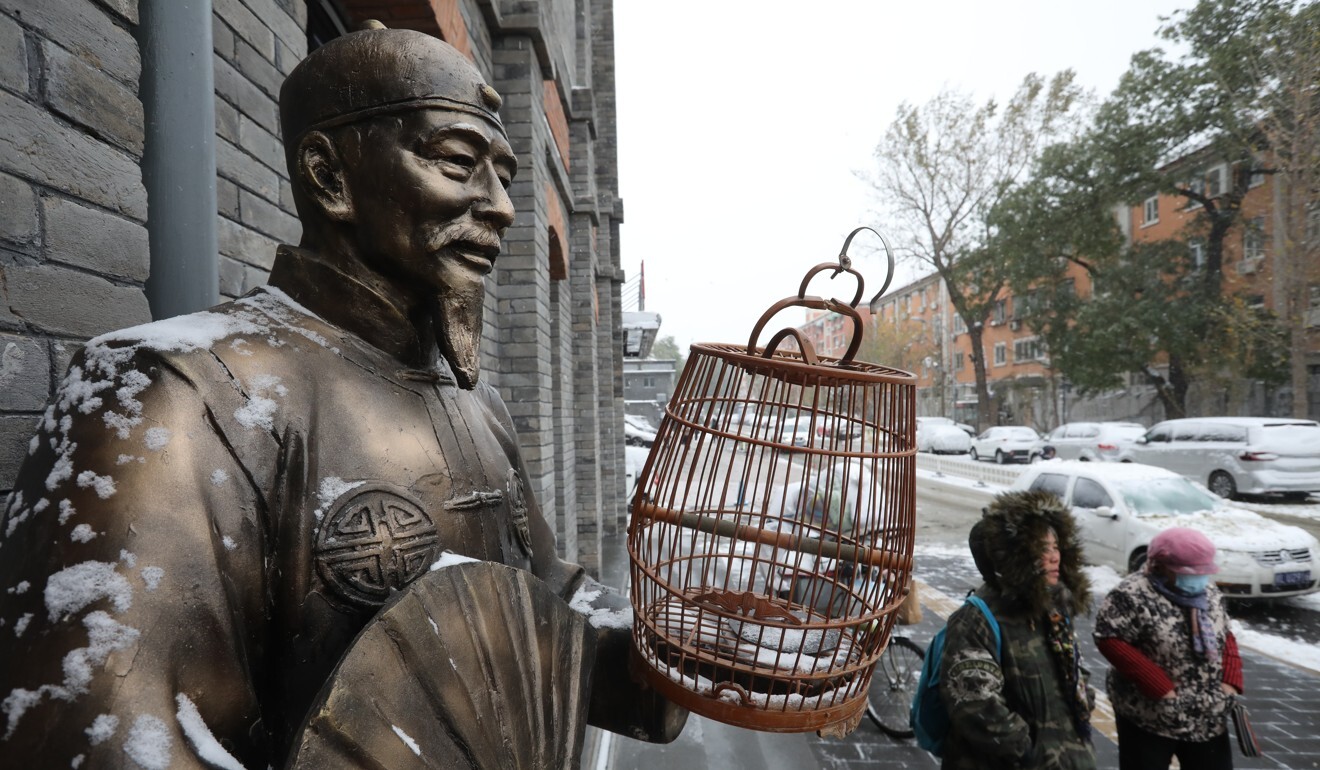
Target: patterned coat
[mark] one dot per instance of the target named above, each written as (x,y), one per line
(1137,614)
(1015,712)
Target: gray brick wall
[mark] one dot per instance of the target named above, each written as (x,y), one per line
(73,242)
(257,43)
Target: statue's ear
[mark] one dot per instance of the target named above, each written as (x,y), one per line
(322,175)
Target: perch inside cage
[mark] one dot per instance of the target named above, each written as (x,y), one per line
(772,528)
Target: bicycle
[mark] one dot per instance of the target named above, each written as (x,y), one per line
(893,683)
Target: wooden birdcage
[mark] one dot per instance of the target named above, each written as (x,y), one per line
(772,528)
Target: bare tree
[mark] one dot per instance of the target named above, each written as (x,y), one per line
(942,167)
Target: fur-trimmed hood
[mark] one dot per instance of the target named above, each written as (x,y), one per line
(1007,546)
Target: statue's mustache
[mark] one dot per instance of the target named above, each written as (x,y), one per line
(484,239)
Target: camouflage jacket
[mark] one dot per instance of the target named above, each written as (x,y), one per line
(1014,711)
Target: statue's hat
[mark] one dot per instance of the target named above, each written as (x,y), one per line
(377,71)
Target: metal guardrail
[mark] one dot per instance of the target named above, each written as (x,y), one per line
(965,467)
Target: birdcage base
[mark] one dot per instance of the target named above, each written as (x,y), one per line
(732,704)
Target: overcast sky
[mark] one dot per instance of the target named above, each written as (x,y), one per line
(742,124)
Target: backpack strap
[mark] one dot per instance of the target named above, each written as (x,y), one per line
(980,604)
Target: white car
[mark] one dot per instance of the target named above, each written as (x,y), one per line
(1093,441)
(637,431)
(1007,443)
(1119,507)
(941,435)
(1236,455)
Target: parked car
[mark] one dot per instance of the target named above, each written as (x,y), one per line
(1099,441)
(796,431)
(637,431)
(1119,507)
(1007,443)
(941,435)
(1236,455)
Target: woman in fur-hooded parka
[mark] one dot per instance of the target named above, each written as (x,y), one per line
(1029,705)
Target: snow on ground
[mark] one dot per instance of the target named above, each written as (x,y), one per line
(1308,510)
(1297,652)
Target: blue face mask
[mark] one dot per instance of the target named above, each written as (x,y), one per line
(1192,584)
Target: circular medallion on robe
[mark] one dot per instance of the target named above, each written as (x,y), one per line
(375,540)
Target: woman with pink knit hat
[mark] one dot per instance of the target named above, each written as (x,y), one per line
(1175,665)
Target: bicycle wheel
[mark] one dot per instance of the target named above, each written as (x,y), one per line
(893,683)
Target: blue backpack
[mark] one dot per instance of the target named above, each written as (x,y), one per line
(929,717)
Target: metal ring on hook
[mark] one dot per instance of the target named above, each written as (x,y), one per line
(845,261)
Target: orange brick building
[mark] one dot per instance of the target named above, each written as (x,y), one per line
(1025,390)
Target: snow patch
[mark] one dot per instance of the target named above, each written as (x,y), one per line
(149,743)
(151,576)
(102,729)
(21,624)
(450,559)
(329,490)
(218,477)
(259,410)
(66,510)
(129,559)
(126,459)
(21,588)
(157,438)
(203,741)
(104,485)
(73,588)
(105,636)
(407,740)
(82,533)
(228,543)
(599,617)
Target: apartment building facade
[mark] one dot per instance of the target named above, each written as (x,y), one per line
(928,338)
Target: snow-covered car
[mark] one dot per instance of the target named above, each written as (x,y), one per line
(1119,507)
(1007,443)
(637,431)
(1093,441)
(1236,455)
(796,431)
(941,435)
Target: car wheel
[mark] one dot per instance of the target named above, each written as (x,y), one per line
(1222,484)
(999,457)
(972,452)
(1137,561)
(1084,459)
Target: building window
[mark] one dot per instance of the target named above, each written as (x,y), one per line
(959,361)
(1151,210)
(1028,349)
(1196,253)
(1001,353)
(1214,182)
(958,326)
(1253,239)
(999,313)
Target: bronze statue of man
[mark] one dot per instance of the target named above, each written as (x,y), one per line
(215,506)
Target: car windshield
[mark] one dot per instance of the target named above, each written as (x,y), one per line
(1167,496)
(1021,434)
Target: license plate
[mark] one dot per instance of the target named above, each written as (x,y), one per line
(1292,579)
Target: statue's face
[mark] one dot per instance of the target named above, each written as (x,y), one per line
(430,200)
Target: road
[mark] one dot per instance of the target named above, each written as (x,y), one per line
(945,513)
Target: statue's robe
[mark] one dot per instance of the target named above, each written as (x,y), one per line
(214,507)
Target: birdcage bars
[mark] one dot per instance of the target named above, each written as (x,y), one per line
(772,535)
